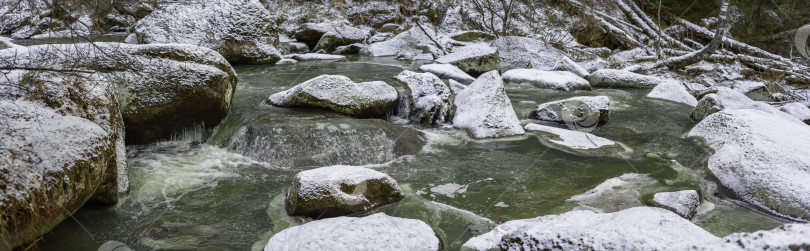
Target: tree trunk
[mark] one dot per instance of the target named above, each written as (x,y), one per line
(717,40)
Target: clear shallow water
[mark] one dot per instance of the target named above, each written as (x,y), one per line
(191,195)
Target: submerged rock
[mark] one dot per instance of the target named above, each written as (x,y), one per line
(614,194)
(725,98)
(162,89)
(684,203)
(323,142)
(61,143)
(429,97)
(640,228)
(448,71)
(673,91)
(577,113)
(473,59)
(761,158)
(608,78)
(340,94)
(373,232)
(241,30)
(340,190)
(557,80)
(579,143)
(484,110)
(523,52)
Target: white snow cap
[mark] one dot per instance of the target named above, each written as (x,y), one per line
(374,232)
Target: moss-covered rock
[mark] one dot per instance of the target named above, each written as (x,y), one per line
(241,30)
(59,148)
(340,190)
(340,94)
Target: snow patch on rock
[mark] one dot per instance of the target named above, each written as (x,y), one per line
(484,109)
(557,80)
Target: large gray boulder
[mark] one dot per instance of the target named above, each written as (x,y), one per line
(639,228)
(762,158)
(556,80)
(723,98)
(162,89)
(329,36)
(797,110)
(484,110)
(577,113)
(429,98)
(474,59)
(448,71)
(673,91)
(340,190)
(787,237)
(61,145)
(527,53)
(243,31)
(609,78)
(289,142)
(340,94)
(684,203)
(410,44)
(373,232)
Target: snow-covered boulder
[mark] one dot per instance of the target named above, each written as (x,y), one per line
(609,78)
(474,59)
(614,194)
(349,49)
(577,113)
(373,232)
(243,31)
(340,94)
(762,158)
(797,110)
(471,36)
(579,143)
(640,228)
(455,87)
(328,36)
(787,237)
(305,142)
(754,90)
(61,145)
(557,80)
(725,98)
(523,52)
(673,91)
(340,190)
(484,110)
(287,61)
(408,44)
(684,203)
(428,96)
(315,57)
(448,71)
(162,89)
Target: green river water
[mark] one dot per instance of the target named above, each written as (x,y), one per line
(198,193)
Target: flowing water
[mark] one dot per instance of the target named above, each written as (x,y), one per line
(197,193)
